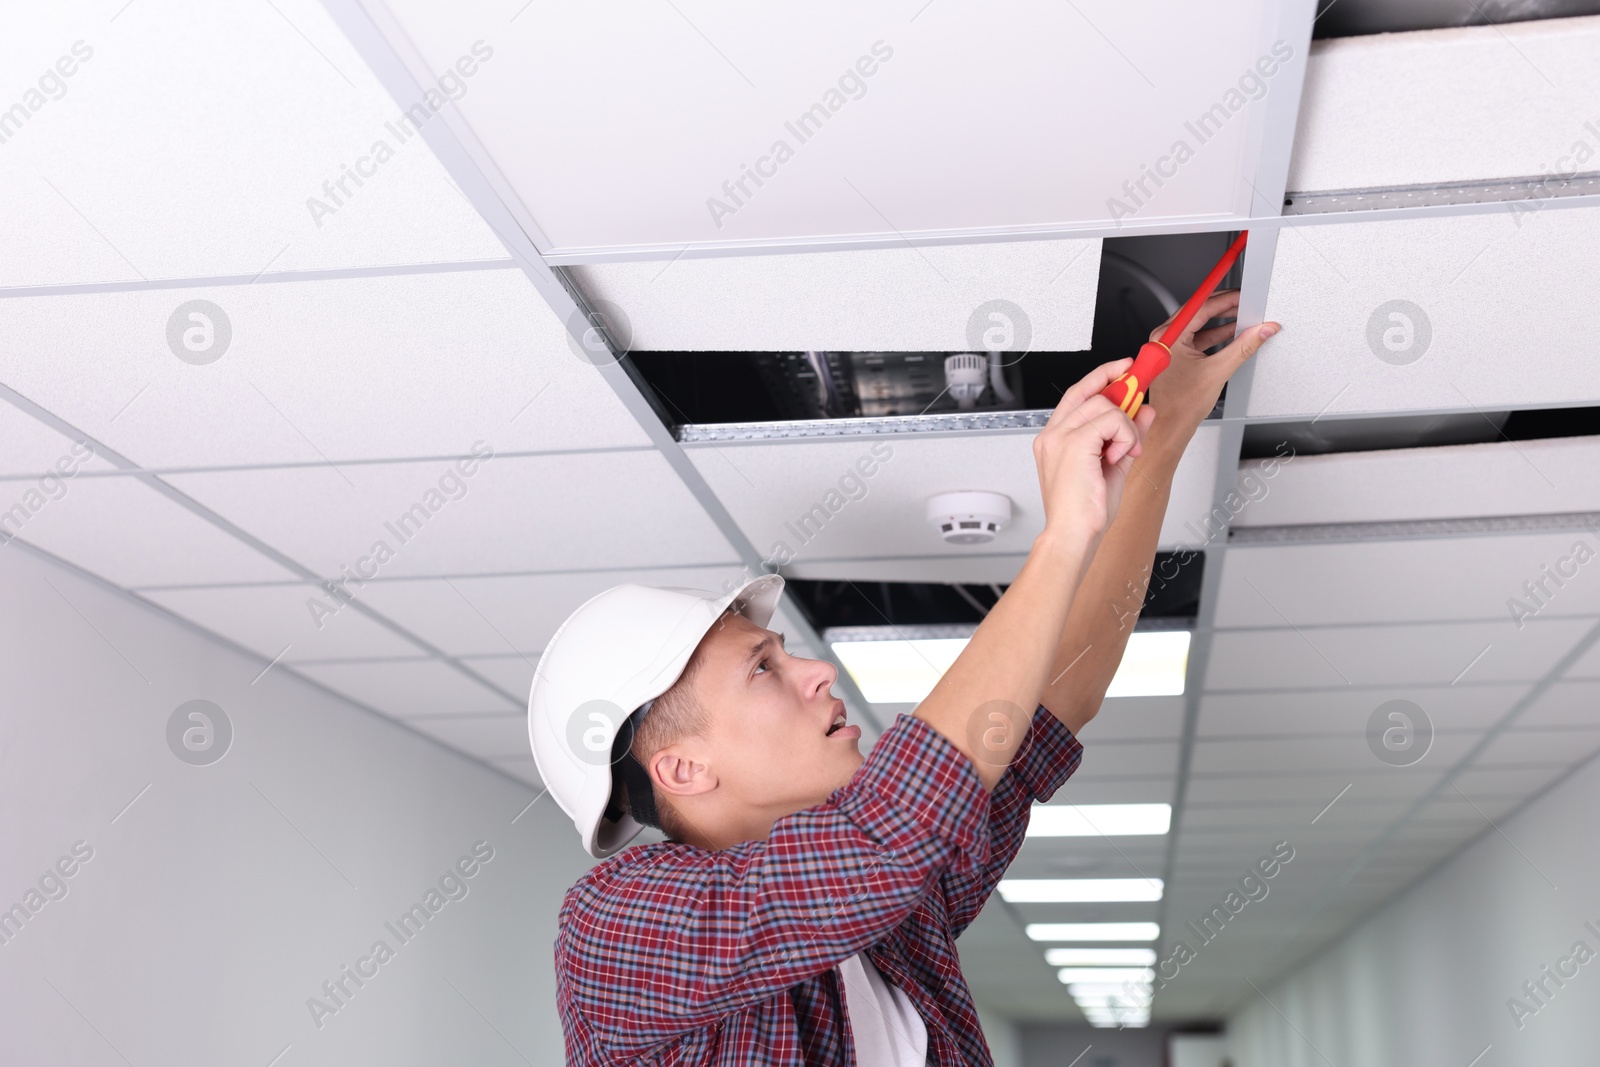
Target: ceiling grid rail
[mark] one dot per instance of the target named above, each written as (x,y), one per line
(480,182)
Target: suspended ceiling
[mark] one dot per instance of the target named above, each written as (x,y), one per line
(429,317)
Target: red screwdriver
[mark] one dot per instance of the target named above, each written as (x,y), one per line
(1128,391)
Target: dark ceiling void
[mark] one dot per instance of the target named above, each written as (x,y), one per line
(1353,18)
(1142,281)
(1173,597)
(1324,436)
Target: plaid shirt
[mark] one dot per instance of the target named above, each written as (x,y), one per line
(671,954)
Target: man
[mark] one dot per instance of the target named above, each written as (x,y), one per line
(805,906)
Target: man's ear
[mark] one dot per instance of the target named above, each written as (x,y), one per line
(675,772)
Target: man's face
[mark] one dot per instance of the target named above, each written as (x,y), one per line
(768,746)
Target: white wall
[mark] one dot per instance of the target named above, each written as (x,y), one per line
(217,903)
(1425,981)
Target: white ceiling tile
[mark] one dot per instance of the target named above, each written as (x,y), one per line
(404,688)
(1136,719)
(1507,781)
(514,513)
(870,300)
(279,619)
(1344,752)
(1555,746)
(1587,665)
(485,736)
(700,116)
(812,501)
(513,613)
(514,674)
(1346,710)
(1540,477)
(1231,788)
(333,370)
(244,138)
(526,770)
(1564,704)
(1081,789)
(126,532)
(30,448)
(1332,288)
(1116,759)
(1494,578)
(1439,653)
(1497,101)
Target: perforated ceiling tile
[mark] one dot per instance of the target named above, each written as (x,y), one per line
(513,673)
(30,449)
(263,110)
(1587,665)
(880,135)
(409,687)
(274,620)
(1553,745)
(1500,101)
(1507,577)
(1348,750)
(529,513)
(1564,704)
(891,299)
(866,498)
(362,368)
(513,613)
(1123,759)
(484,736)
(1540,477)
(1346,710)
(1323,657)
(522,768)
(124,531)
(1136,719)
(1272,787)
(1389,316)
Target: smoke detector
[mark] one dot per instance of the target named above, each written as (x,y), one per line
(965,375)
(969,517)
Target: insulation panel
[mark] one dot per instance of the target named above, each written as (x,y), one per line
(871,300)
(245,138)
(1471,103)
(331,371)
(1390,316)
(1546,476)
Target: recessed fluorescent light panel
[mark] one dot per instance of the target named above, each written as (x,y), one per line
(1093,931)
(1078,890)
(1100,957)
(897,665)
(1099,820)
(1106,975)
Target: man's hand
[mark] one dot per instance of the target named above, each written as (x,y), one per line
(1188,389)
(1083,455)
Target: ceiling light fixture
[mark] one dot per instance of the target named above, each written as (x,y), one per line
(1106,975)
(1100,957)
(1079,890)
(1099,820)
(902,664)
(1093,931)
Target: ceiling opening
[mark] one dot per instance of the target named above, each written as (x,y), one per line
(1354,18)
(1172,599)
(1317,437)
(1142,281)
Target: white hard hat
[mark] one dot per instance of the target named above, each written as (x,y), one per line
(618,651)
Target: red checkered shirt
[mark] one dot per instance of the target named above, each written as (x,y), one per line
(670,953)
